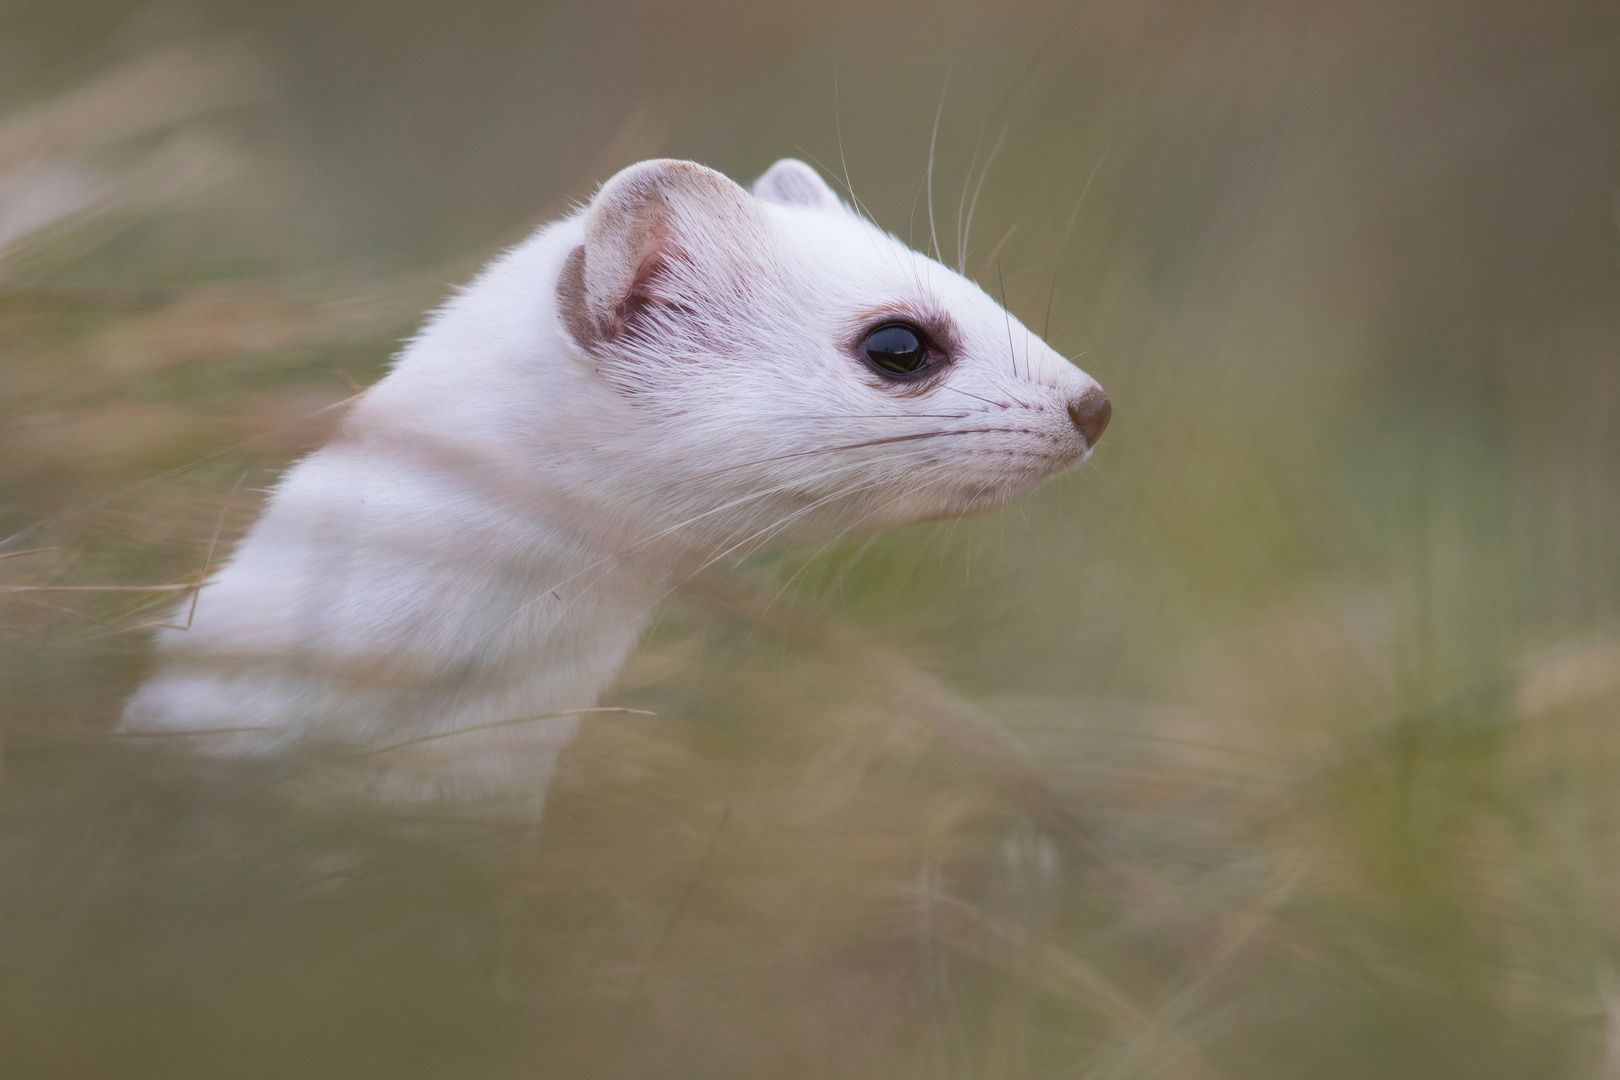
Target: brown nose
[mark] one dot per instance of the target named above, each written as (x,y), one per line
(1090,414)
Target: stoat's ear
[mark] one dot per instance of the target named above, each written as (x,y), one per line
(791,182)
(652,234)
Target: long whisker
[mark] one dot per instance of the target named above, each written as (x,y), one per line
(1046,323)
(822,165)
(845,532)
(967,232)
(603,564)
(851,527)
(1050,40)
(797,481)
(961,204)
(787,519)
(975,397)
(1082,199)
(1084,315)
(887,439)
(1008,315)
(931,537)
(885,504)
(889,416)
(995,252)
(838,124)
(844,571)
(1058,269)
(933,141)
(774,526)
(911,222)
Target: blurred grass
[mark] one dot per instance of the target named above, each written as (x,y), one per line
(1280,741)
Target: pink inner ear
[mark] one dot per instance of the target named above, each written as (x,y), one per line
(658,251)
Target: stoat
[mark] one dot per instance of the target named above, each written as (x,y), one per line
(676,374)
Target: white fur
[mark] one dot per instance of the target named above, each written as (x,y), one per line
(499,516)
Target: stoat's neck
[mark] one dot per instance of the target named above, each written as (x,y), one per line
(471,587)
(385,596)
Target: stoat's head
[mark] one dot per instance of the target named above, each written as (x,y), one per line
(786,369)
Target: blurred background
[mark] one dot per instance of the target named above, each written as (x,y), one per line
(1279,741)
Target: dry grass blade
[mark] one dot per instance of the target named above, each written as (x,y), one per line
(500,724)
(153,481)
(59,171)
(30,551)
(155,91)
(100,588)
(179,734)
(909,692)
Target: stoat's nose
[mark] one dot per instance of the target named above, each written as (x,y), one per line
(1090,413)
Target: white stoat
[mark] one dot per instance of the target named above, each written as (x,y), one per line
(679,372)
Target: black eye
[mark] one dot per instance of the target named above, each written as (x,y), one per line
(896,349)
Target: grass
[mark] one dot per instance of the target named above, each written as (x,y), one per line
(1278,742)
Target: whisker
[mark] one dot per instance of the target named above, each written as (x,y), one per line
(1084,315)
(1046,323)
(775,525)
(1081,200)
(995,252)
(763,535)
(787,519)
(846,531)
(604,564)
(860,208)
(967,232)
(961,204)
(1008,316)
(837,582)
(838,124)
(933,141)
(1058,268)
(840,536)
(911,222)
(889,416)
(975,397)
(886,440)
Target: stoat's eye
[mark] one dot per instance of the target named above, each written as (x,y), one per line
(897,350)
